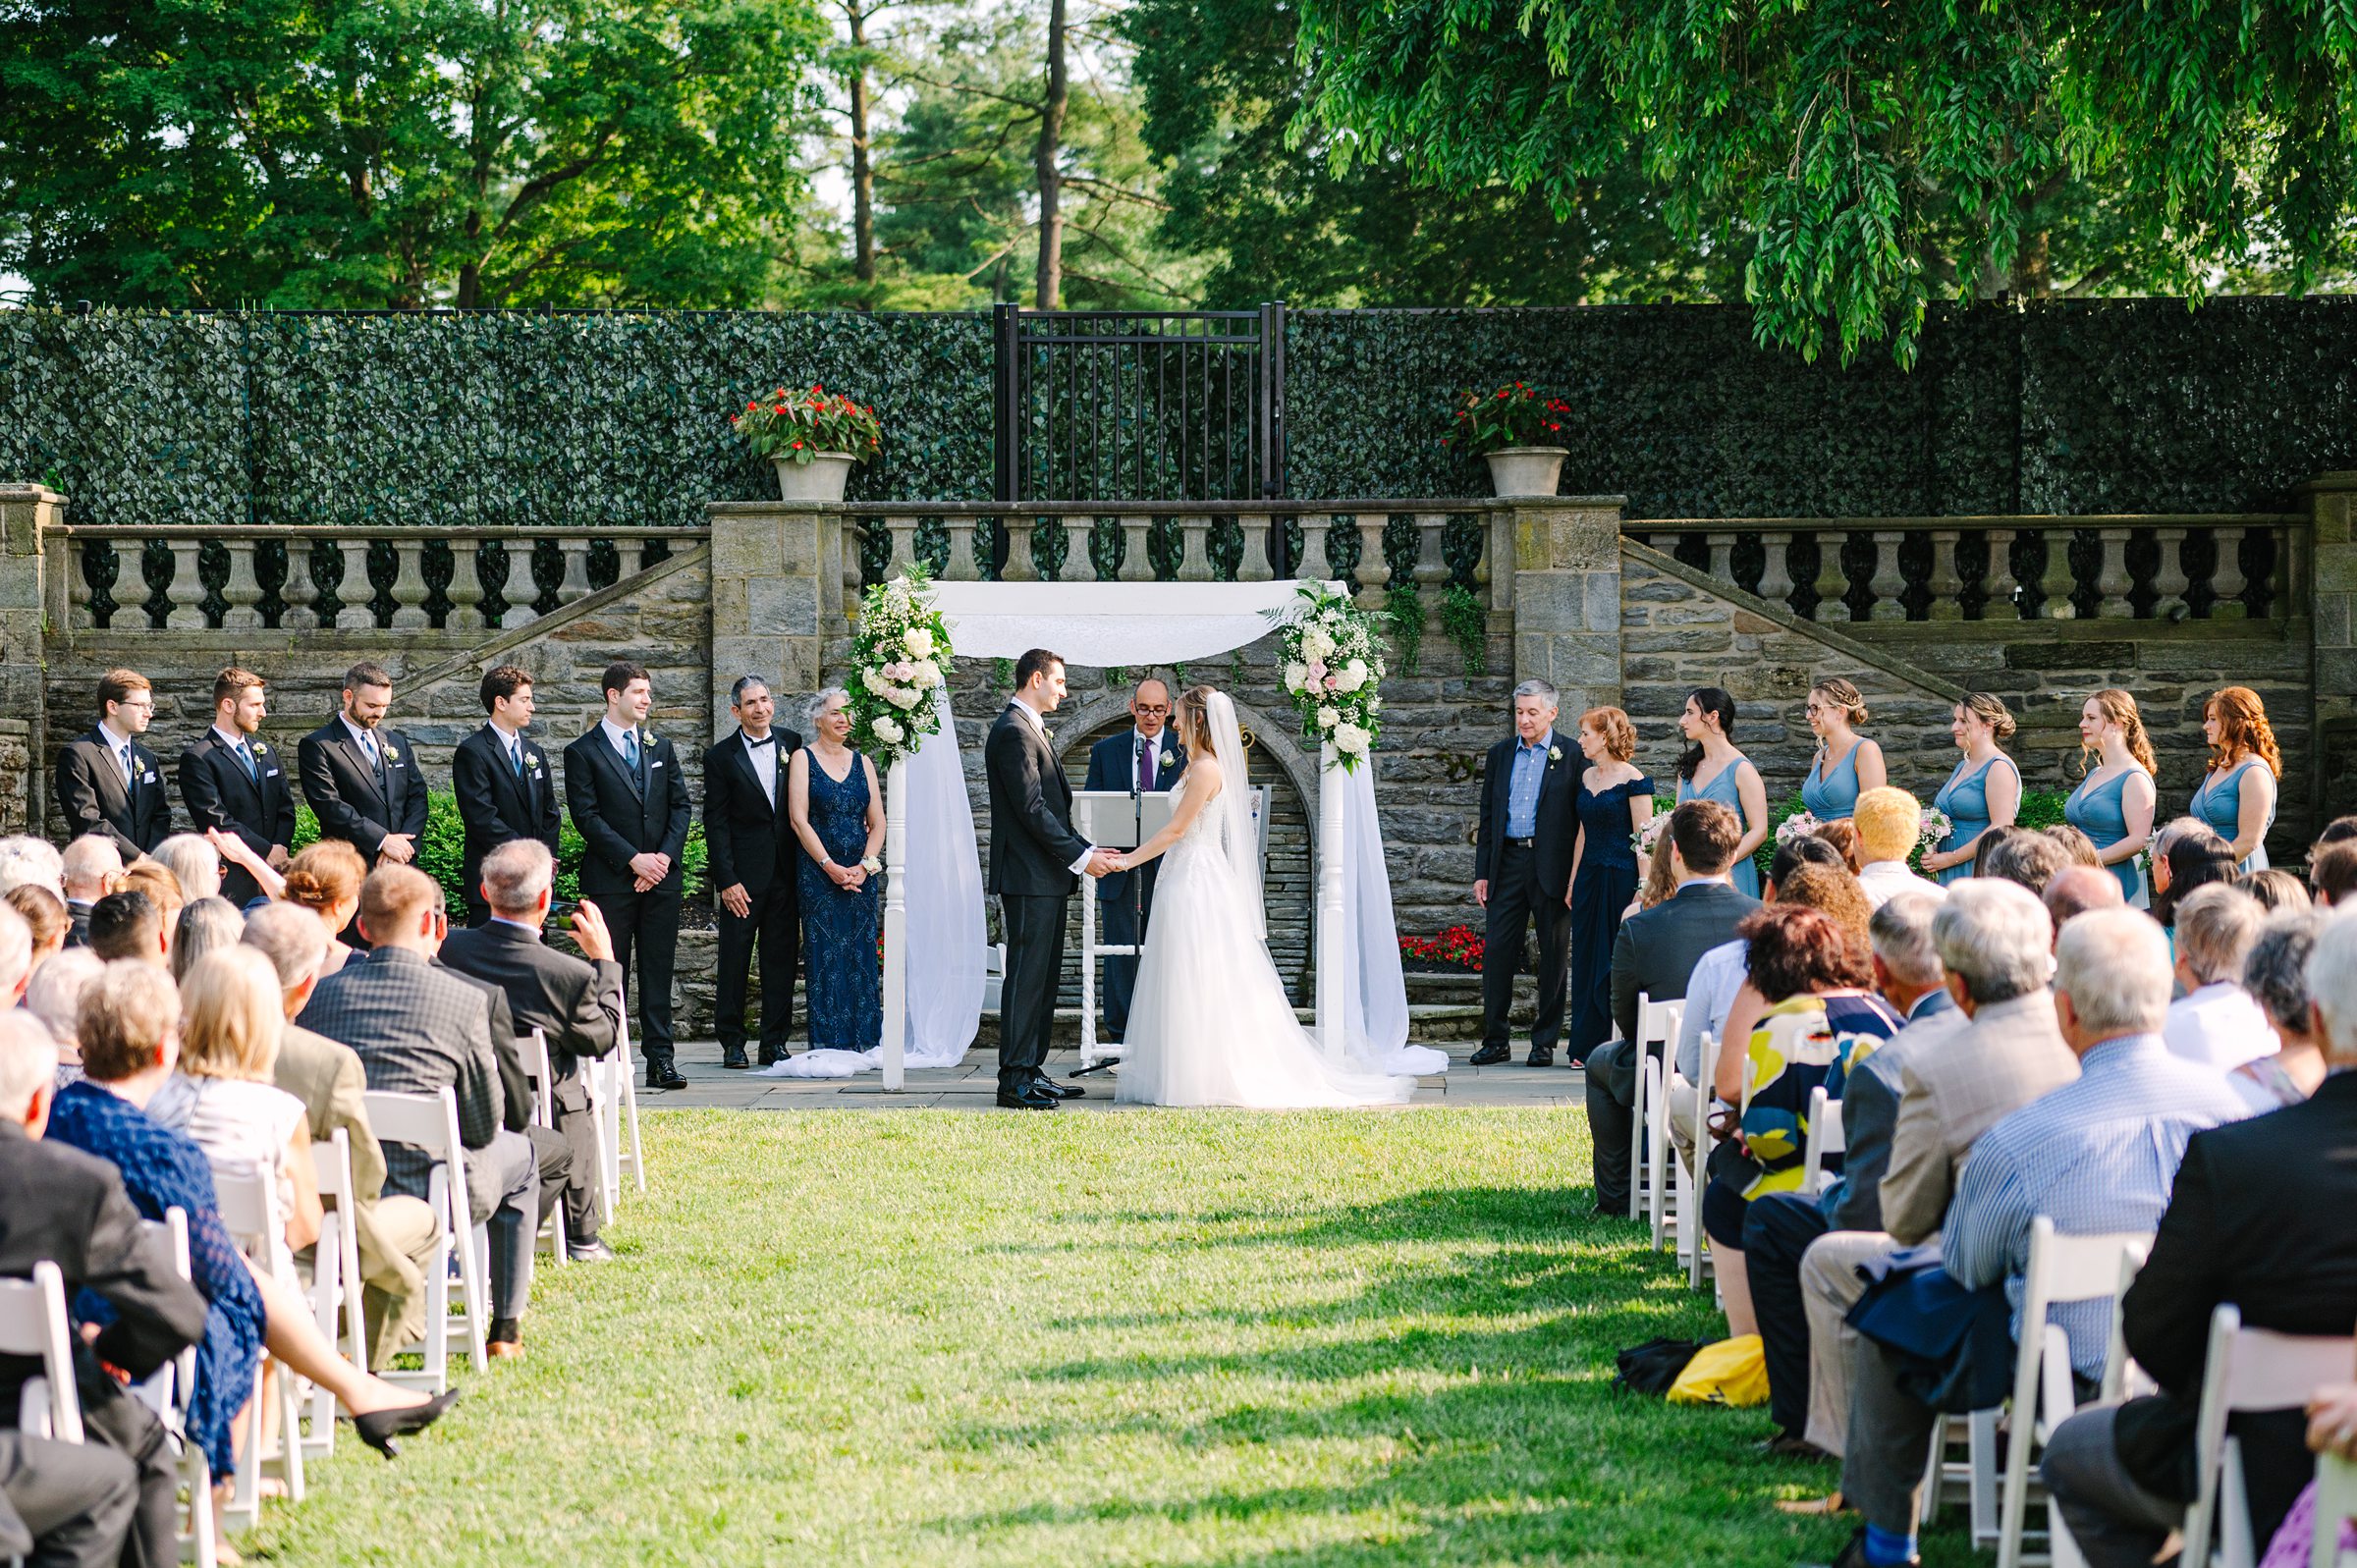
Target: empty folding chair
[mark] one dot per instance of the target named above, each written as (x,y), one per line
(249,1203)
(626,1153)
(431,1124)
(334,1283)
(2248,1370)
(34,1323)
(1826,1139)
(540,1079)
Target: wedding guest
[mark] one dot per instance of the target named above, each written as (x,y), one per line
(1890,825)
(107,782)
(234,782)
(502,783)
(44,915)
(31,862)
(748,831)
(16,958)
(2217,1022)
(2078,847)
(1982,792)
(205,926)
(1524,844)
(54,996)
(1614,803)
(2186,855)
(360,779)
(193,863)
(325,879)
(2076,890)
(838,813)
(1146,758)
(1660,876)
(1846,766)
(1843,835)
(162,890)
(2332,873)
(2113,803)
(127,925)
(2276,974)
(238,860)
(2237,794)
(93,868)
(2278,890)
(1712,769)
(2337,831)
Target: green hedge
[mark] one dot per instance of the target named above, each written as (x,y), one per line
(442,852)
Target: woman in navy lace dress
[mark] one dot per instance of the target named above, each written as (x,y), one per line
(837,811)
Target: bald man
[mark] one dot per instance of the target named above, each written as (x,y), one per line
(1146,757)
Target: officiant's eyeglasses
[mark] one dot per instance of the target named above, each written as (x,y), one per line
(1154,707)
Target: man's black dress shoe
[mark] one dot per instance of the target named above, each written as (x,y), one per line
(1061,1090)
(733,1056)
(663,1075)
(1026,1097)
(1491,1056)
(1541,1056)
(769,1058)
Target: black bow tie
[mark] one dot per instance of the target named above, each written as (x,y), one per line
(763,741)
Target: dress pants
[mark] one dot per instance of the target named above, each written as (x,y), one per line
(1122,922)
(408,1227)
(2113,1516)
(1515,906)
(647,925)
(1778,1229)
(775,922)
(506,1171)
(1890,1441)
(552,1159)
(569,1099)
(1830,1286)
(1034,968)
(63,1504)
(1611,1092)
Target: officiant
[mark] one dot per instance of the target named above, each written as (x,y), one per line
(1145,758)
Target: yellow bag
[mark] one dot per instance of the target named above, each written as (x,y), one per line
(1732,1372)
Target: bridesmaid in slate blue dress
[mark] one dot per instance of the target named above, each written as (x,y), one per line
(838,813)
(2237,796)
(1712,769)
(2114,805)
(1846,764)
(1616,800)
(1983,794)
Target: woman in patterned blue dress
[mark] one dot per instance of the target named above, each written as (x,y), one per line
(838,813)
(2114,805)
(1616,800)
(2237,796)
(1846,764)
(1712,769)
(1983,794)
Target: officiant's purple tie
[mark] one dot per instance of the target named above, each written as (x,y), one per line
(1145,769)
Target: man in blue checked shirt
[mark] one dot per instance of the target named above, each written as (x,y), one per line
(1522,850)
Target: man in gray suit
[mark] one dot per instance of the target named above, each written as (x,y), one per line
(1654,955)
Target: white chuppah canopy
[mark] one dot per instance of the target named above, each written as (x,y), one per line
(933,923)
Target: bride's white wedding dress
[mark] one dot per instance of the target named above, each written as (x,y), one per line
(1209,1021)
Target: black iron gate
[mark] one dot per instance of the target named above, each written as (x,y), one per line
(1139,406)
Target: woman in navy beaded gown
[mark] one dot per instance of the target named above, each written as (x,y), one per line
(1616,800)
(838,813)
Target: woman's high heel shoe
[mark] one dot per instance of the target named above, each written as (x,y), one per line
(381,1429)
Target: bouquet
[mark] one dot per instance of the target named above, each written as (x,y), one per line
(1646,838)
(1936,828)
(1332,671)
(796,426)
(901,649)
(1799,825)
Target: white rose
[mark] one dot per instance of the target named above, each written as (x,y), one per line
(888,729)
(1315,645)
(1328,718)
(1296,675)
(902,698)
(874,681)
(1350,739)
(1353,675)
(920,642)
(927,675)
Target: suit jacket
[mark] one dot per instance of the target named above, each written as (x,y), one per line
(494,805)
(619,816)
(220,794)
(91,794)
(1112,765)
(515,1100)
(1656,949)
(748,835)
(2008,1054)
(327,1077)
(576,1003)
(344,792)
(1032,846)
(77,923)
(1870,1110)
(1558,818)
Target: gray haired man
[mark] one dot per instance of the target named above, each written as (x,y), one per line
(1523,871)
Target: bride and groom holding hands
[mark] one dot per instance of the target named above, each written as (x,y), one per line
(1208,1022)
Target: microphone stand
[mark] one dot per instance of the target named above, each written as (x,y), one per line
(1129,885)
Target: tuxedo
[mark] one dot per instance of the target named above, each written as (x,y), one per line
(1529,875)
(1125,899)
(1033,852)
(95,797)
(498,805)
(620,813)
(750,836)
(357,801)
(255,803)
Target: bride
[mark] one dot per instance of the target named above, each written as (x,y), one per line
(1210,1023)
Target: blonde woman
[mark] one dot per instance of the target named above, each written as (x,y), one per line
(1847,765)
(2113,803)
(1984,790)
(2237,796)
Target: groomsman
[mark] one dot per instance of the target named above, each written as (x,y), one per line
(629,800)
(502,781)
(754,853)
(1523,871)
(234,781)
(109,784)
(1146,759)
(361,780)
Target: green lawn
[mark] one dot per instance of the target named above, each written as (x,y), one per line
(955,1338)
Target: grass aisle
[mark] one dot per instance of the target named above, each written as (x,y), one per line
(1189,1337)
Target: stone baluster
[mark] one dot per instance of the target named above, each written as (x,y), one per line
(1832,582)
(1432,563)
(1776,576)
(78,592)
(1722,557)
(186,592)
(1252,565)
(2169,578)
(1888,583)
(576,585)
(2228,582)
(241,594)
(408,585)
(1947,583)
(1194,565)
(1079,560)
(1137,561)
(1374,569)
(2003,603)
(901,534)
(960,568)
(1021,565)
(2112,577)
(465,586)
(299,593)
(355,592)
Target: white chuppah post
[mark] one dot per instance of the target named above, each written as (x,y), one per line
(895,928)
(1332,1035)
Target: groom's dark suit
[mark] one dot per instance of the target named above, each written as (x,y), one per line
(1032,853)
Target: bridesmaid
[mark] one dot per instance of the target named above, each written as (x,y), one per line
(1983,794)
(2237,796)
(1845,763)
(838,813)
(1616,801)
(2114,805)
(1709,722)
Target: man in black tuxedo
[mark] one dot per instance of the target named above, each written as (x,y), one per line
(361,780)
(236,781)
(1035,866)
(107,782)
(1145,759)
(1523,871)
(753,853)
(629,800)
(503,783)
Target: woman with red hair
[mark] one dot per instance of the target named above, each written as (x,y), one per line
(2237,796)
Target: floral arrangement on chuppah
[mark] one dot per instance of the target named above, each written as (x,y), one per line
(902,648)
(1334,671)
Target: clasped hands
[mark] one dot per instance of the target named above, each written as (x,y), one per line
(1105,863)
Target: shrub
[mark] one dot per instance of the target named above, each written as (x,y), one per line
(442,852)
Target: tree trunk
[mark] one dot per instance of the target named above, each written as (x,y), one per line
(2033,267)
(1050,289)
(863,174)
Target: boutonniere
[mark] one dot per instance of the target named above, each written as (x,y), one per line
(392,753)
(1045,730)
(1555,753)
(1168,759)
(260,750)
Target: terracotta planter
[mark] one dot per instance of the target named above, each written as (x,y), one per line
(822,478)
(1527,471)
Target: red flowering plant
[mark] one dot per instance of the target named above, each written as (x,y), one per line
(1457,948)
(796,426)
(1517,415)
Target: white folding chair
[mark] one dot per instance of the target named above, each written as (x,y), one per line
(534,1048)
(2060,1270)
(2336,1501)
(1826,1138)
(249,1203)
(334,1283)
(431,1124)
(627,1110)
(1657,1024)
(1693,1249)
(34,1323)
(1653,1131)
(2248,1369)
(168,1393)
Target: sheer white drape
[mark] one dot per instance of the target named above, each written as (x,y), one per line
(1235,799)
(1374,987)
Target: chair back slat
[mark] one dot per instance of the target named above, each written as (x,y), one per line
(34,1323)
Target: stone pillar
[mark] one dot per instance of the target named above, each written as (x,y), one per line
(774,599)
(29,515)
(2332,578)
(1566,595)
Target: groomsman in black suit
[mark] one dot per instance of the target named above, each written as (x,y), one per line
(1523,871)
(753,853)
(502,780)
(1145,759)
(363,779)
(107,783)
(234,781)
(629,800)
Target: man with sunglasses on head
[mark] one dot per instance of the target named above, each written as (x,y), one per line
(1145,759)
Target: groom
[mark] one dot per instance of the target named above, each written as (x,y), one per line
(1035,866)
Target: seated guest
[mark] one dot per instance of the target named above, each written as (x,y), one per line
(2078,847)
(2332,873)
(2097,1154)
(31,862)
(162,889)
(126,926)
(2337,831)
(193,863)
(55,998)
(2024,858)
(419,1030)
(93,870)
(207,925)
(2215,1022)
(2193,858)
(61,1206)
(2076,890)
(1843,835)
(2276,974)
(2259,1217)
(244,865)
(2278,890)
(1655,953)
(1889,827)
(325,879)
(44,915)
